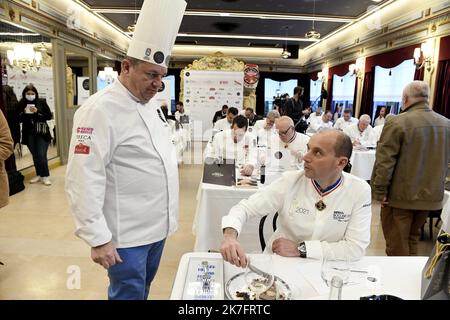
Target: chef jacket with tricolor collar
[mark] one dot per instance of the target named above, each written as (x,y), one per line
(342,228)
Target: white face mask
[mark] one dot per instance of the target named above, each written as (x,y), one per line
(30,97)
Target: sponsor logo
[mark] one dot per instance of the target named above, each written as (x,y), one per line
(217,174)
(85,130)
(82,149)
(340,216)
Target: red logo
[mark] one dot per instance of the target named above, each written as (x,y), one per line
(85,130)
(82,149)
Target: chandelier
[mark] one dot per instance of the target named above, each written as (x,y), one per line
(24,56)
(313,34)
(286,54)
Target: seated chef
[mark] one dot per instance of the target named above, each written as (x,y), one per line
(265,128)
(289,139)
(235,143)
(322,210)
(362,133)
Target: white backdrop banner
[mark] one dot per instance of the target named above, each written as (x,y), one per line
(42,80)
(163,95)
(82,89)
(205,92)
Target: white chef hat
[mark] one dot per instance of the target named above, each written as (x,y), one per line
(156,31)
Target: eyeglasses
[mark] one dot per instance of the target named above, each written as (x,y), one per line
(285,132)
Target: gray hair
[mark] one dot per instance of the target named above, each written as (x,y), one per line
(273,114)
(365,117)
(417,89)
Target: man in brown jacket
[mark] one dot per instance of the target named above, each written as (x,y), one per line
(410,169)
(6,149)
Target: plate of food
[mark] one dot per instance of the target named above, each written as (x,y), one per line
(238,289)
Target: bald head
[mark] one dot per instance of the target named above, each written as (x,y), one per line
(416,91)
(285,126)
(343,146)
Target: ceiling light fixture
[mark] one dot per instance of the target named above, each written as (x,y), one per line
(239,15)
(313,34)
(236,36)
(286,54)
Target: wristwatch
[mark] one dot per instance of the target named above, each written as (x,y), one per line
(302,249)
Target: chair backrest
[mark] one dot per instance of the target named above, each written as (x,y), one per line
(261,229)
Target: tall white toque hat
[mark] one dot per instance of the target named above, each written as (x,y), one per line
(156,30)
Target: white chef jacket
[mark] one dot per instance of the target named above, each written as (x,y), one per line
(259,124)
(122,174)
(316,124)
(341,123)
(300,143)
(223,146)
(379,121)
(342,228)
(222,124)
(378,130)
(313,116)
(367,138)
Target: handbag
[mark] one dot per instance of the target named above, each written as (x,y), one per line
(41,128)
(436,273)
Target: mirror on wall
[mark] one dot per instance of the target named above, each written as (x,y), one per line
(26,58)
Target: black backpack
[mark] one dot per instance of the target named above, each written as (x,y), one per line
(15,179)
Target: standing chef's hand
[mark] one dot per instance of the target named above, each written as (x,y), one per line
(105,255)
(285,247)
(231,249)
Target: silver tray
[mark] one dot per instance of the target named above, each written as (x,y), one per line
(238,284)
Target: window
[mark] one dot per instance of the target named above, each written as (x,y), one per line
(314,93)
(172,92)
(343,92)
(274,89)
(389,84)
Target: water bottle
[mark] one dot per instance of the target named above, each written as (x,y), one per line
(336,284)
(263,174)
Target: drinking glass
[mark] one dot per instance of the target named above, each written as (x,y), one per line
(332,266)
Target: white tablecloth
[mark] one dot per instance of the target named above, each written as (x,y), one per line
(397,276)
(362,163)
(214,202)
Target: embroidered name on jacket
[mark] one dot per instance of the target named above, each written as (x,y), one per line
(301,211)
(340,216)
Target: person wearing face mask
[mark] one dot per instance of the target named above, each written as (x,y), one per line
(34,113)
(410,169)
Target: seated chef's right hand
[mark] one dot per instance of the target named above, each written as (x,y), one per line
(105,255)
(231,249)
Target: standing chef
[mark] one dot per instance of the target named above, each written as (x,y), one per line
(122,175)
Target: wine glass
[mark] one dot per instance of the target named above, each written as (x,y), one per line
(332,266)
(259,273)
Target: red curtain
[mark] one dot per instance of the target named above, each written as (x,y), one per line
(340,70)
(418,75)
(442,94)
(367,94)
(444,49)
